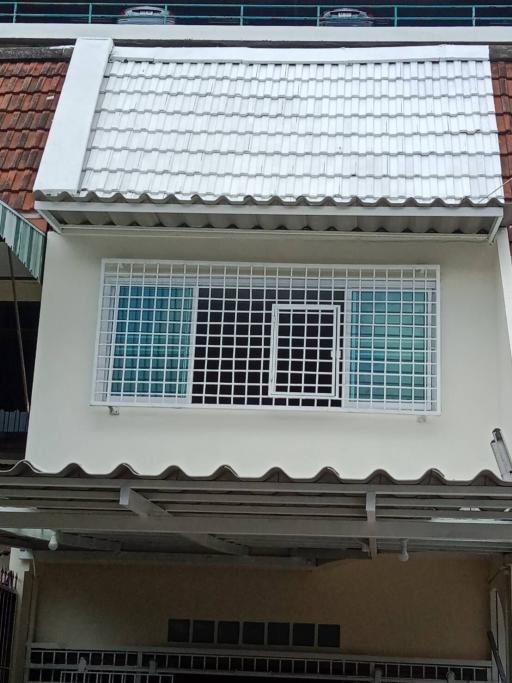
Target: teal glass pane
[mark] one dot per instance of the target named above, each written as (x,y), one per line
(388,346)
(151,351)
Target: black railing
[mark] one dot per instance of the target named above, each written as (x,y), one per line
(262,13)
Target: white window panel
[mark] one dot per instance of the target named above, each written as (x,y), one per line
(304,351)
(269,336)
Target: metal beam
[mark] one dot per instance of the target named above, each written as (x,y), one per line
(359,488)
(221,546)
(138,504)
(371,518)
(87,542)
(131,500)
(264,525)
(124,557)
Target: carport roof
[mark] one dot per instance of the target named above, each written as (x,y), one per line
(318,519)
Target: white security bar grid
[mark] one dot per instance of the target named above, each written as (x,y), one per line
(103,676)
(268,336)
(55,665)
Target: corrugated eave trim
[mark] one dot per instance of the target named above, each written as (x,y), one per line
(249,200)
(326,475)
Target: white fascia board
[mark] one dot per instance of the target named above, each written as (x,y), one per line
(61,165)
(281,35)
(274,210)
(247,55)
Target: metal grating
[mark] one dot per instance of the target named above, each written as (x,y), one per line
(269,336)
(52,665)
(113,677)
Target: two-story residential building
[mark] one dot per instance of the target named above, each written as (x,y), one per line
(275,340)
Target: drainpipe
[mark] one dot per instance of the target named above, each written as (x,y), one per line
(502,455)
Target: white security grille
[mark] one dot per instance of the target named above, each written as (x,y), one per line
(262,335)
(150,666)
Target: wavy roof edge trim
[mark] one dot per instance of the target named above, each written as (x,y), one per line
(326,475)
(249,200)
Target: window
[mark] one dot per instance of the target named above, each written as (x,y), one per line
(328,635)
(303,635)
(179,630)
(278,633)
(228,632)
(253,633)
(269,336)
(304,350)
(203,631)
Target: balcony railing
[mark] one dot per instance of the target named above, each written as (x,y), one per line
(135,665)
(258,14)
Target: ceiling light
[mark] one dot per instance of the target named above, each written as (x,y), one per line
(404,555)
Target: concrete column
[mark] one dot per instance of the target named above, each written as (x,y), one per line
(23,566)
(501,615)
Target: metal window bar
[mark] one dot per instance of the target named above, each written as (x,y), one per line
(102,676)
(74,666)
(353,338)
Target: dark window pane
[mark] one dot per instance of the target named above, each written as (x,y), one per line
(253,633)
(278,633)
(228,632)
(203,631)
(179,631)
(328,635)
(303,635)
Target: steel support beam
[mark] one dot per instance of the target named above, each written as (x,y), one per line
(138,504)
(262,525)
(92,484)
(87,542)
(371,518)
(131,500)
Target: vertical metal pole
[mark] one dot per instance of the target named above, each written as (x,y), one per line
(241,15)
(473,15)
(395,15)
(89,16)
(318,14)
(18,333)
(14,12)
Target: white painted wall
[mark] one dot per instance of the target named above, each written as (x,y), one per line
(475,382)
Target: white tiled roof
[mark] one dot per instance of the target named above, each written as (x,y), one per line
(296,126)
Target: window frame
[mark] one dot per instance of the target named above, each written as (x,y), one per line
(433,394)
(432,406)
(114,399)
(335,349)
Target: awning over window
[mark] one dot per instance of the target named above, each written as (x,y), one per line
(25,240)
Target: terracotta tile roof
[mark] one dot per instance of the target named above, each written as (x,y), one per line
(29,92)
(502,85)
